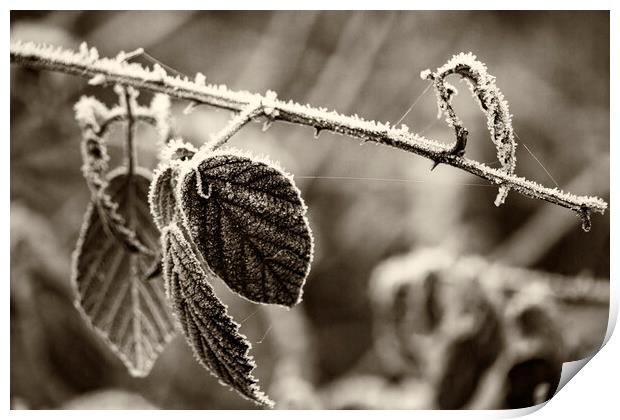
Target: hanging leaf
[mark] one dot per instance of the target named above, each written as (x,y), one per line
(247,219)
(210,331)
(130,314)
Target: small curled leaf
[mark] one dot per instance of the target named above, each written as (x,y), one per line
(213,335)
(248,221)
(130,314)
(162,199)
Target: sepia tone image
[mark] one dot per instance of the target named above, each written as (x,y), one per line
(306,209)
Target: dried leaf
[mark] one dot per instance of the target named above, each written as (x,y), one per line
(211,332)
(491,101)
(130,314)
(247,219)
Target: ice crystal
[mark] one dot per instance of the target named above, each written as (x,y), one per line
(90,113)
(98,79)
(200,79)
(160,111)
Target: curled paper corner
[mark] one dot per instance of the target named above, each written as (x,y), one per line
(613,311)
(570,369)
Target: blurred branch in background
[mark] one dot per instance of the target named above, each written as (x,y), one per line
(460,322)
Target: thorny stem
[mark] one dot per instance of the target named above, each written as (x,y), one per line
(246,115)
(87,63)
(130,153)
(594,291)
(445,93)
(122,116)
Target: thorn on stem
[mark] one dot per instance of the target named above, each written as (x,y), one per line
(154,270)
(267,123)
(586,221)
(501,195)
(435,164)
(190,107)
(461,141)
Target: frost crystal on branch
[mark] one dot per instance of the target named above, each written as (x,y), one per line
(160,110)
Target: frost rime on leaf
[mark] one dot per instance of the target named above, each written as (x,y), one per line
(248,221)
(130,314)
(210,331)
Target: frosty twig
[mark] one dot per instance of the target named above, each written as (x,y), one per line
(234,125)
(87,63)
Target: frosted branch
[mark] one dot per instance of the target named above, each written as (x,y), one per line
(246,115)
(87,63)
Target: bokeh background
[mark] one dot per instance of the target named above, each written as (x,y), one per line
(366,202)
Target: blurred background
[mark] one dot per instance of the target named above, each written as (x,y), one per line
(354,342)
